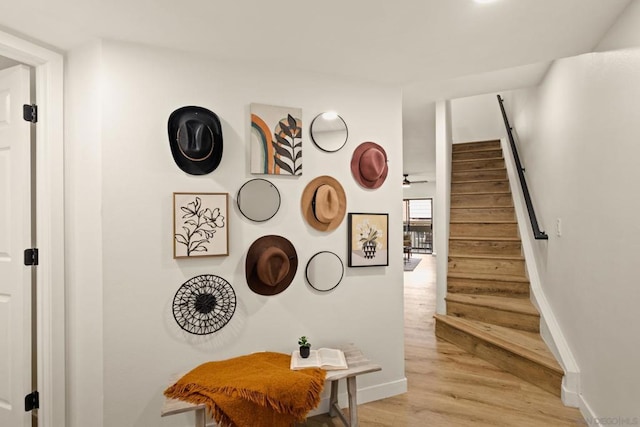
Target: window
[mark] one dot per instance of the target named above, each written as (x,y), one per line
(417,223)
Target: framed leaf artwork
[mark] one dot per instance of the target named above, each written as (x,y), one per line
(200,224)
(276,140)
(368,239)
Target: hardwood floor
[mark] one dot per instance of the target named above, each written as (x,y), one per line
(450,387)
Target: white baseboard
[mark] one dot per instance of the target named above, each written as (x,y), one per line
(570,390)
(587,412)
(365,395)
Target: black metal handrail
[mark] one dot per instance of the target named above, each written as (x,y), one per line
(537,233)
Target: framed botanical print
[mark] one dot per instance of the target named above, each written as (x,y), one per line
(200,224)
(368,239)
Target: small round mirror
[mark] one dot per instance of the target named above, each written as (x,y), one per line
(324,271)
(258,200)
(329,132)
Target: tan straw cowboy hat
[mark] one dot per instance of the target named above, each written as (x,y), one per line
(324,203)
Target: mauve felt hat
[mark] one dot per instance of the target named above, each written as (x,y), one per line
(271,264)
(323,203)
(195,137)
(369,165)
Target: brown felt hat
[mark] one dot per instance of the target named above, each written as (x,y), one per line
(271,264)
(369,165)
(324,203)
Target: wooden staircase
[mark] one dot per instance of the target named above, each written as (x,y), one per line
(489,312)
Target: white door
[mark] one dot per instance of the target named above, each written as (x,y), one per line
(15,237)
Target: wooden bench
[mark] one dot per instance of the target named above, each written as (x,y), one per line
(358,365)
(356,361)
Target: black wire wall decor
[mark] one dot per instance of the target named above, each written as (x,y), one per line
(204,304)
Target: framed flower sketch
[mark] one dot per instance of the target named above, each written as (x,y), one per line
(276,140)
(368,239)
(200,224)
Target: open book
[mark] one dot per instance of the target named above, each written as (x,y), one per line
(326,358)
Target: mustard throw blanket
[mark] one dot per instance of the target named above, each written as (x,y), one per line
(257,390)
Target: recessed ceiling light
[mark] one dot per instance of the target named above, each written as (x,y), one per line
(484,1)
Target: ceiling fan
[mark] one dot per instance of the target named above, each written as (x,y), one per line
(407,183)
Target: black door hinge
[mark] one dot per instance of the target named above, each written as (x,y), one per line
(30,112)
(31,256)
(31,401)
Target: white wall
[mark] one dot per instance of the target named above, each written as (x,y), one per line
(83,236)
(579,134)
(442,202)
(624,32)
(422,190)
(476,118)
(142,344)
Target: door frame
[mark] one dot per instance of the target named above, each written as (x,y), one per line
(50,324)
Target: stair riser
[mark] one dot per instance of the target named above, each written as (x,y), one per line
(483,214)
(477,164)
(486,266)
(473,146)
(521,367)
(484,247)
(481,187)
(477,155)
(488,287)
(483,230)
(478,175)
(481,200)
(520,321)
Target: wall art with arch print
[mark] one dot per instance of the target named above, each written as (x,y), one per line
(276,140)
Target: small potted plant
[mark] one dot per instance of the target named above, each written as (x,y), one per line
(304,347)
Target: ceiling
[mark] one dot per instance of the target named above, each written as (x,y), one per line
(432,49)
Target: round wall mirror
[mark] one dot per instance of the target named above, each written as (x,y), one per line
(324,271)
(329,132)
(258,200)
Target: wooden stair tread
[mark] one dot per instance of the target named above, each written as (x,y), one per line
(497,238)
(471,143)
(514,305)
(477,149)
(490,277)
(482,207)
(483,181)
(478,160)
(467,221)
(525,344)
(481,170)
(466,193)
(480,141)
(476,208)
(483,256)
(481,287)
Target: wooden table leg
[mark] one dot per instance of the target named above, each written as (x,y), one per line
(333,399)
(201,417)
(352,391)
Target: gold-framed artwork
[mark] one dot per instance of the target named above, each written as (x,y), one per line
(200,224)
(368,239)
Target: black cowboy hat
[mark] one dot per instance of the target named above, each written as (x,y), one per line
(195,137)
